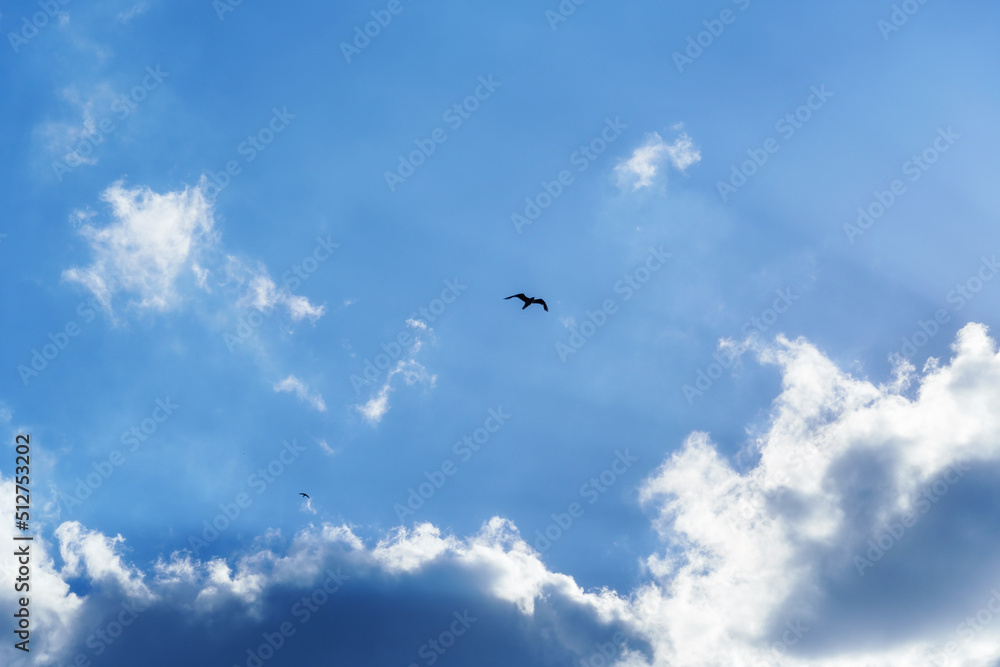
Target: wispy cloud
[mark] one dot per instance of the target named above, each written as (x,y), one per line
(292,384)
(378,405)
(74,142)
(263,294)
(133,11)
(640,169)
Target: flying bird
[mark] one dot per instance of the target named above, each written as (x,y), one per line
(528,300)
(304,494)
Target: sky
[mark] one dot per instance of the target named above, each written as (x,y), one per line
(252,251)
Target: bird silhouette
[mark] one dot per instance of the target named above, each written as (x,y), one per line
(304,494)
(528,300)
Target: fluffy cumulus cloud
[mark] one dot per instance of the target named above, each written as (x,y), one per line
(153,239)
(454,596)
(641,168)
(860,529)
(823,552)
(157,243)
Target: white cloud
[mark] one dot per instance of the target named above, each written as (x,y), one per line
(180,569)
(299,388)
(90,553)
(153,239)
(495,563)
(201,277)
(53,606)
(133,11)
(375,408)
(263,294)
(300,308)
(409,369)
(778,544)
(412,373)
(683,153)
(642,167)
(156,241)
(751,557)
(75,143)
(406,551)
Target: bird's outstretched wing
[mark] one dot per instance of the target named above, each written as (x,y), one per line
(519,296)
(541,301)
(304,494)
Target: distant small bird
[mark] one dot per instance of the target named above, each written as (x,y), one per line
(304,494)
(528,300)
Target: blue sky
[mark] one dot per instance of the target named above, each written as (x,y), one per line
(765,233)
